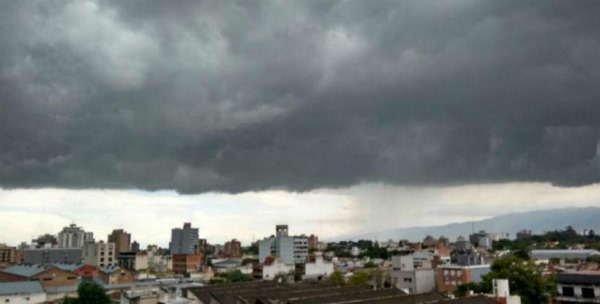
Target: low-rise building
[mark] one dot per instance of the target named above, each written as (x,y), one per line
(186,263)
(414,281)
(48,276)
(578,287)
(22,292)
(133,260)
(226,265)
(276,267)
(116,275)
(450,276)
(100,254)
(140,296)
(574,254)
(319,269)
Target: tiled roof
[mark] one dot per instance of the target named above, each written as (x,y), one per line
(13,288)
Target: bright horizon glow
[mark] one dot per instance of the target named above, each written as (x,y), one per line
(327,213)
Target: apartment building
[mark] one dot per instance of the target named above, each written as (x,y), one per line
(74,237)
(184,240)
(292,250)
(121,239)
(449,277)
(100,254)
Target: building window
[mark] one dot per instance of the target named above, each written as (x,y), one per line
(587,293)
(568,291)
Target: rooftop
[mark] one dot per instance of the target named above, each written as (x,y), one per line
(25,270)
(14,288)
(580,277)
(315,293)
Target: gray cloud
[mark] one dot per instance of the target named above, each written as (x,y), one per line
(250,95)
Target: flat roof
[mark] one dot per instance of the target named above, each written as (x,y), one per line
(584,278)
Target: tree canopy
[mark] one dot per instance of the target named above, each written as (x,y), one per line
(89,292)
(525,279)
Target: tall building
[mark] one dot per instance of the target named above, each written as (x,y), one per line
(122,240)
(313,241)
(292,250)
(8,255)
(481,239)
(233,249)
(45,241)
(100,254)
(74,237)
(135,246)
(184,241)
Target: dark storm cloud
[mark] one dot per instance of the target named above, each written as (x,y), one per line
(250,95)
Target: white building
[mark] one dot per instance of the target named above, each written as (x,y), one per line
(74,237)
(100,254)
(277,267)
(409,275)
(158,262)
(414,281)
(290,249)
(501,291)
(318,270)
(22,292)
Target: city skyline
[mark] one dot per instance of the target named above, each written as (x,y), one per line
(222,217)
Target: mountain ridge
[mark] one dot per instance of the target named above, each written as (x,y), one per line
(538,221)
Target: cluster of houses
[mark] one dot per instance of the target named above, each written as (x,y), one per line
(53,266)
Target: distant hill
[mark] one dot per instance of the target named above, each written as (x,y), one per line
(537,221)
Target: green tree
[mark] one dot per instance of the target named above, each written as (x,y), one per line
(91,292)
(554,261)
(525,279)
(593,259)
(377,276)
(237,277)
(462,289)
(337,278)
(68,300)
(370,264)
(247,261)
(360,278)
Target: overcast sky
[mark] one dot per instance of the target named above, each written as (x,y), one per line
(317,113)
